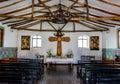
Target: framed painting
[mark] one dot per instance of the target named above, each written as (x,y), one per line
(25,42)
(94,43)
(1,37)
(118,38)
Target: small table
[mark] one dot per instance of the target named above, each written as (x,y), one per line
(59,61)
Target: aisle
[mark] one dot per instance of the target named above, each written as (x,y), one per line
(60,74)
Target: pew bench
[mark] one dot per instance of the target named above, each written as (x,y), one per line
(29,70)
(99,72)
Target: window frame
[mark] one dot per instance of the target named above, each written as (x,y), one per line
(37,40)
(82,41)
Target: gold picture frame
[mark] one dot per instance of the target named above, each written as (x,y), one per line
(94,43)
(25,42)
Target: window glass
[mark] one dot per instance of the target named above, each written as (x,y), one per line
(36,41)
(83,41)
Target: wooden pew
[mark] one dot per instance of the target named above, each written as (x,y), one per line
(91,71)
(30,68)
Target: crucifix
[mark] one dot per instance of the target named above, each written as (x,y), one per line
(59,38)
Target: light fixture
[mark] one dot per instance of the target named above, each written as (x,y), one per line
(59,16)
(59,32)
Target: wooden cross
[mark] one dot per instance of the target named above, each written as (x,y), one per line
(59,40)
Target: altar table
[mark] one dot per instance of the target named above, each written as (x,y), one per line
(59,61)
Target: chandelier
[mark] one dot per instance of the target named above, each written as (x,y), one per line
(59,16)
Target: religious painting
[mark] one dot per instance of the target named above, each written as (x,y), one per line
(94,43)
(25,43)
(118,38)
(1,37)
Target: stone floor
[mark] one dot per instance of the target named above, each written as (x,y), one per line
(59,74)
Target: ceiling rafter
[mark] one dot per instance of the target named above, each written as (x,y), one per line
(23,8)
(91,27)
(96,25)
(21,23)
(98,9)
(3,0)
(26,26)
(11,4)
(110,3)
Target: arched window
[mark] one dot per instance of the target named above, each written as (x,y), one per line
(36,41)
(83,41)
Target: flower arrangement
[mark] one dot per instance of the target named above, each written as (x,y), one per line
(49,52)
(69,54)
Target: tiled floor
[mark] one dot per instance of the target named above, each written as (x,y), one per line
(60,74)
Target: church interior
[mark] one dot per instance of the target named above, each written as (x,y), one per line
(59,42)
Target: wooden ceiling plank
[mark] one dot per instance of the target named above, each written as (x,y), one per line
(11,4)
(110,3)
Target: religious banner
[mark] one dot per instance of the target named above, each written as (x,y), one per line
(94,43)
(25,43)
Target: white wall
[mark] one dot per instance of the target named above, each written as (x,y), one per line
(110,38)
(10,37)
(46,45)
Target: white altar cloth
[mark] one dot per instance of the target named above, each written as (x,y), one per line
(58,60)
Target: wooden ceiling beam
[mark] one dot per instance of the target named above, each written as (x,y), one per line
(87,8)
(24,8)
(73,19)
(110,3)
(71,5)
(3,0)
(52,26)
(69,31)
(32,8)
(11,4)
(91,27)
(9,22)
(20,23)
(26,26)
(45,6)
(102,23)
(100,27)
(98,9)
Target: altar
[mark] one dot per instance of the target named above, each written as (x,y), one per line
(53,60)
